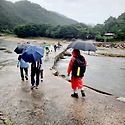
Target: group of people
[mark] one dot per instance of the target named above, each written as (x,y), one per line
(36,71)
(58,45)
(50,48)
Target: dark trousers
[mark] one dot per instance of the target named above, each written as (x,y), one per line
(41,72)
(34,73)
(55,49)
(21,72)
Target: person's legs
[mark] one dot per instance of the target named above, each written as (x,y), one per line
(74,87)
(26,73)
(21,73)
(75,90)
(32,79)
(37,77)
(55,49)
(41,72)
(75,94)
(81,87)
(82,92)
(77,83)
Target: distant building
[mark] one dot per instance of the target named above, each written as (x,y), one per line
(109,34)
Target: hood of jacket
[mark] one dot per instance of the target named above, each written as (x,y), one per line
(76,53)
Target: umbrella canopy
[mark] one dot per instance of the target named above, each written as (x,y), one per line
(82,45)
(33,53)
(47,47)
(19,49)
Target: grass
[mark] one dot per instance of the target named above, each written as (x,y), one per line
(7,51)
(7,35)
(9,122)
(122,41)
(111,55)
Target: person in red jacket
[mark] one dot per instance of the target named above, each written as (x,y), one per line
(76,82)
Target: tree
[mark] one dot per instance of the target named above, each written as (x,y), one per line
(68,32)
(110,23)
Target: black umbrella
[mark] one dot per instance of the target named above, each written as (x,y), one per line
(82,45)
(20,48)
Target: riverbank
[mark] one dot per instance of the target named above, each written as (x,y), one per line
(52,103)
(22,40)
(118,45)
(100,45)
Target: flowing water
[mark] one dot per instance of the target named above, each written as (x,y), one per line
(103,73)
(5,57)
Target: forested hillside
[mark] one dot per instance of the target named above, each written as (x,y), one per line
(28,19)
(12,14)
(9,16)
(112,25)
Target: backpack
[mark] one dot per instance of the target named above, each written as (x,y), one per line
(79,67)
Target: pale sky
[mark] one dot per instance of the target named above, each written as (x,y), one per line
(84,11)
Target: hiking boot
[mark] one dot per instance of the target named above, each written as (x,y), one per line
(75,95)
(82,92)
(32,86)
(36,87)
(26,77)
(22,79)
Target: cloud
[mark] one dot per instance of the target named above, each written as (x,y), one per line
(86,11)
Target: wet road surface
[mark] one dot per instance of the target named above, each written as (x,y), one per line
(51,103)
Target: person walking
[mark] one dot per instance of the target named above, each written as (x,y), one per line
(23,67)
(35,71)
(76,82)
(47,50)
(55,47)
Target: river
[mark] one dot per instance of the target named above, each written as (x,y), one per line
(103,73)
(7,58)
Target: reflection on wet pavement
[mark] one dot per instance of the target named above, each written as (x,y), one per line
(51,103)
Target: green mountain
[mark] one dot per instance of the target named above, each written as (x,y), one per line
(12,14)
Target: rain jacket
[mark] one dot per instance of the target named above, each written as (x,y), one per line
(23,64)
(75,81)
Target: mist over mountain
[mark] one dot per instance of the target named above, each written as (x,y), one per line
(12,14)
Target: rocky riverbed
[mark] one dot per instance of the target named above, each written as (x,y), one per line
(118,45)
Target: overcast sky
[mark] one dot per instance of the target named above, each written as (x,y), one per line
(85,11)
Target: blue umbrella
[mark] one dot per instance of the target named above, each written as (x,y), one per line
(33,53)
(19,49)
(82,45)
